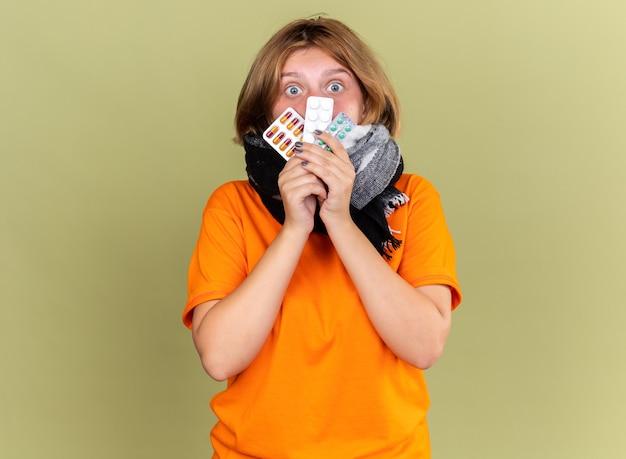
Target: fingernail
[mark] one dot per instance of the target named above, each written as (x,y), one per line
(297,150)
(317,132)
(298,144)
(305,163)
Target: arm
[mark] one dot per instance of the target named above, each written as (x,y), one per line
(229,333)
(414,323)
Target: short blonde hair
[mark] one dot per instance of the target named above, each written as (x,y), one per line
(261,88)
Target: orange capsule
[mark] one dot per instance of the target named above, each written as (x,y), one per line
(292,123)
(278,138)
(271,132)
(285,117)
(285,144)
(291,152)
(298,130)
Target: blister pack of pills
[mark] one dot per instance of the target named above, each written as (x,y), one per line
(318,115)
(290,127)
(284,132)
(341,127)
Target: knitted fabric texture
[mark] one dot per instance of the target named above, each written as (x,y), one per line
(378,165)
(376,159)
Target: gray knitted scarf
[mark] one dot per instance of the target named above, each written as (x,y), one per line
(378,165)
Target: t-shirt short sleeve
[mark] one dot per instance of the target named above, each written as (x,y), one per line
(217,265)
(428,255)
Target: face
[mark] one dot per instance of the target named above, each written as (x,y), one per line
(312,72)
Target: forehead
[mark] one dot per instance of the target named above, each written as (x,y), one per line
(310,56)
(312,61)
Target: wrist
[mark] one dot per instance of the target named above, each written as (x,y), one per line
(341,227)
(295,233)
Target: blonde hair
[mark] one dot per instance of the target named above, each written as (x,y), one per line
(261,88)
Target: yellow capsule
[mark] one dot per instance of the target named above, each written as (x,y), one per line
(285,144)
(285,117)
(271,132)
(278,138)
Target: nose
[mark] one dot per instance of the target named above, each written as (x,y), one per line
(300,107)
(315,92)
(302,104)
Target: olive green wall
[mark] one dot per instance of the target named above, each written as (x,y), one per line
(115,125)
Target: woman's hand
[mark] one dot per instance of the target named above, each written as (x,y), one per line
(300,191)
(333,171)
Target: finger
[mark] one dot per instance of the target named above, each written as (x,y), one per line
(337,176)
(333,160)
(297,182)
(330,143)
(322,157)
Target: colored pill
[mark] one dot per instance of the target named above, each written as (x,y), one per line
(291,152)
(298,130)
(348,128)
(339,120)
(285,117)
(278,138)
(333,127)
(285,144)
(341,135)
(292,123)
(271,132)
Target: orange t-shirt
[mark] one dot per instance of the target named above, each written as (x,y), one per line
(324,385)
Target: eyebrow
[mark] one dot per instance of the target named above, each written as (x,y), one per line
(336,71)
(325,73)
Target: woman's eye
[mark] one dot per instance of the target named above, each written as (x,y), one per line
(335,87)
(293,90)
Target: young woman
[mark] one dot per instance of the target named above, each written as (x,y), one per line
(321,287)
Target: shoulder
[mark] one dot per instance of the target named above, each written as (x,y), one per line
(414,186)
(237,201)
(232,188)
(424,202)
(230,194)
